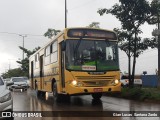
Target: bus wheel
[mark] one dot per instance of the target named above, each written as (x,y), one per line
(56,96)
(38,93)
(97,96)
(43,93)
(54,90)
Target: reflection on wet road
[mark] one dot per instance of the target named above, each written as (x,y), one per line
(28,101)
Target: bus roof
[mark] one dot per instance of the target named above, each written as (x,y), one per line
(63,32)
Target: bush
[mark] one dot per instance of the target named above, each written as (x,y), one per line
(140,93)
(137,93)
(131,93)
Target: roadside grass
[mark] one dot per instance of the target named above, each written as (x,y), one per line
(137,93)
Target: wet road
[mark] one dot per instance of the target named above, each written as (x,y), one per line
(28,101)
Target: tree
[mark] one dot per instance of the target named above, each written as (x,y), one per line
(155,12)
(126,44)
(17,72)
(94,25)
(25,62)
(132,14)
(51,32)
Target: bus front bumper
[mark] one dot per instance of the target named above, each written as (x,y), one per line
(71,90)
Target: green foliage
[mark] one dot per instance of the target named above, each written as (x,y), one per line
(94,25)
(137,93)
(141,93)
(155,12)
(25,62)
(133,14)
(17,72)
(51,32)
(142,44)
(133,93)
(151,42)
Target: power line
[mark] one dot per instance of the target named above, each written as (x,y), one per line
(9,33)
(19,34)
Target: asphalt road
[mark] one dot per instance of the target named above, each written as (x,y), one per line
(79,108)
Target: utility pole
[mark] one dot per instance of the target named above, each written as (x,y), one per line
(158,51)
(65,13)
(23,36)
(156,32)
(129,61)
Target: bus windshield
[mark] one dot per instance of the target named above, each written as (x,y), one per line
(91,55)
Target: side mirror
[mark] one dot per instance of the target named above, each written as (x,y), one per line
(63,46)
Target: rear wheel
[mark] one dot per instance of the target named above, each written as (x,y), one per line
(97,96)
(55,93)
(38,93)
(55,90)
(43,93)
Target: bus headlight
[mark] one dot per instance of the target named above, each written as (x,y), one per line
(74,82)
(116,81)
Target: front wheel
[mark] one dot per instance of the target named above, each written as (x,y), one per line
(59,97)
(97,96)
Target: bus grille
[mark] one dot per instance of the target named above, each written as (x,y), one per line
(95,81)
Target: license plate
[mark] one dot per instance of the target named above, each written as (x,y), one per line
(97,89)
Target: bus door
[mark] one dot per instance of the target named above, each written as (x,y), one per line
(41,72)
(32,74)
(62,64)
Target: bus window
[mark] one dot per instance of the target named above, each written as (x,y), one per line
(54,52)
(47,51)
(47,55)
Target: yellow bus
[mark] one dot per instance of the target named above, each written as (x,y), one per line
(78,61)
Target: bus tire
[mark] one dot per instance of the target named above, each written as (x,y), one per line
(97,96)
(43,93)
(38,93)
(56,96)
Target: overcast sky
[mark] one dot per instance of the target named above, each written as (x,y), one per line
(34,17)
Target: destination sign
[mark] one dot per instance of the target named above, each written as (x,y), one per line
(92,33)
